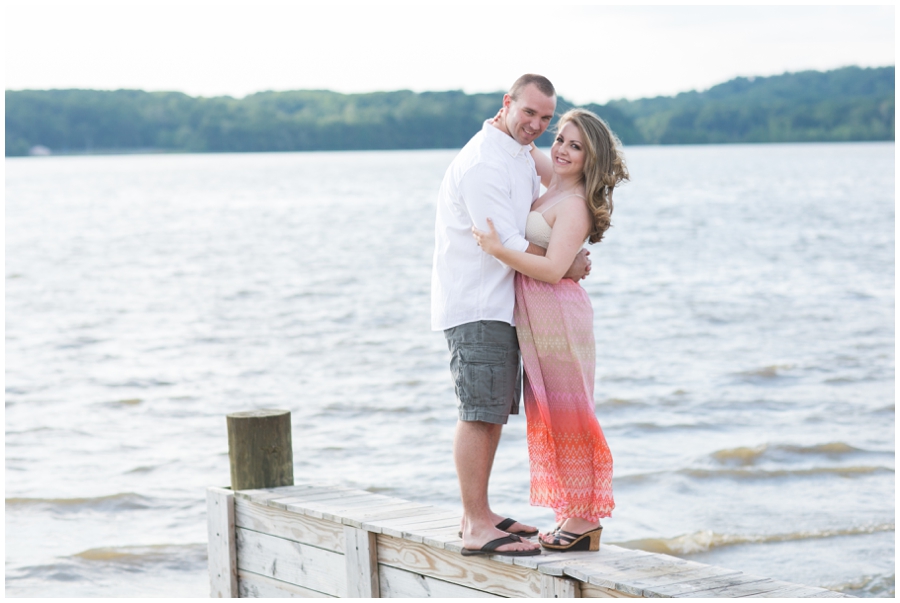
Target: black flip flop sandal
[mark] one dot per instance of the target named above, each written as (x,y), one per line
(491,548)
(505,524)
(508,522)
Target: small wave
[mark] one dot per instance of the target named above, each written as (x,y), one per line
(746,455)
(185,557)
(141,383)
(753,473)
(706,540)
(126,501)
(621,402)
(142,469)
(868,586)
(124,402)
(743,455)
(769,473)
(143,555)
(767,372)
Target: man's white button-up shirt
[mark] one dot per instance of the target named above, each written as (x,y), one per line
(492,177)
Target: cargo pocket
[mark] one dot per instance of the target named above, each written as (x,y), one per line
(481,374)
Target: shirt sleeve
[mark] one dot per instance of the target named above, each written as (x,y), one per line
(485,192)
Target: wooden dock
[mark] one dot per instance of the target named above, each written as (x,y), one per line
(331,541)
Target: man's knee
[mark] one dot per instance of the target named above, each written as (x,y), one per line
(482,427)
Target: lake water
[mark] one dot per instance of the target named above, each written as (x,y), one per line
(744,317)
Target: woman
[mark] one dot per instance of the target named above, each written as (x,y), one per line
(571,466)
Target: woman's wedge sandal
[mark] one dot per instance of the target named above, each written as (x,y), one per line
(589,541)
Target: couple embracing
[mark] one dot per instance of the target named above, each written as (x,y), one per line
(507,263)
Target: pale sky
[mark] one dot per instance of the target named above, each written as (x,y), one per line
(592,53)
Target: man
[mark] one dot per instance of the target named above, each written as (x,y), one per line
(473,297)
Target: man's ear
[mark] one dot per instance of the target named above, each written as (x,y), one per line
(507,100)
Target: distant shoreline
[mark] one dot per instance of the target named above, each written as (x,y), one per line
(123,152)
(851,104)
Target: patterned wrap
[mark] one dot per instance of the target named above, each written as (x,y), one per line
(571,465)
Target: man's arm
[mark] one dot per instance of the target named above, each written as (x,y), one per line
(485,193)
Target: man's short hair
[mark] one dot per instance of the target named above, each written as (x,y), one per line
(542,83)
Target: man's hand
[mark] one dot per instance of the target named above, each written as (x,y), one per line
(581,266)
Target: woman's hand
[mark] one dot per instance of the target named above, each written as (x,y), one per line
(488,241)
(496,119)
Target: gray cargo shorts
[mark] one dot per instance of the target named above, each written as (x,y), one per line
(484,362)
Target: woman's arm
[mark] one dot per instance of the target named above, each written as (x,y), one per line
(569,231)
(542,165)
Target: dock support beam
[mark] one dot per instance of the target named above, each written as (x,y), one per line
(553,587)
(222,552)
(361,556)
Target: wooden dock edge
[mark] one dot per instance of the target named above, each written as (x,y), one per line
(331,541)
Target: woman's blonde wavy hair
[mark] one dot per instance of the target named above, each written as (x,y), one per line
(604,167)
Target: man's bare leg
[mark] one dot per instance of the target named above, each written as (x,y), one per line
(473,452)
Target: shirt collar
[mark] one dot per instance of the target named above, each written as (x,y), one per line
(506,142)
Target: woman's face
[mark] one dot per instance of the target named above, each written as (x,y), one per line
(567,152)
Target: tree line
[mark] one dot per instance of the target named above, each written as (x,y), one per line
(845,104)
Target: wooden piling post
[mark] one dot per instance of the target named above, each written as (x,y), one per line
(259,448)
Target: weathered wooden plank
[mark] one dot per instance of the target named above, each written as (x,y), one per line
(395,525)
(397,583)
(690,582)
(553,587)
(289,561)
(379,503)
(339,511)
(255,586)
(349,499)
(449,540)
(554,563)
(417,532)
(793,591)
(591,591)
(328,509)
(221,551)
(667,573)
(745,589)
(353,502)
(292,526)
(600,569)
(827,594)
(264,494)
(364,519)
(318,501)
(356,517)
(437,514)
(481,573)
(310,494)
(361,563)
(658,586)
(634,578)
(698,588)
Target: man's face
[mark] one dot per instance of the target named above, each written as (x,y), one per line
(528,116)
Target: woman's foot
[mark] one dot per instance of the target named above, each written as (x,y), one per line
(573,534)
